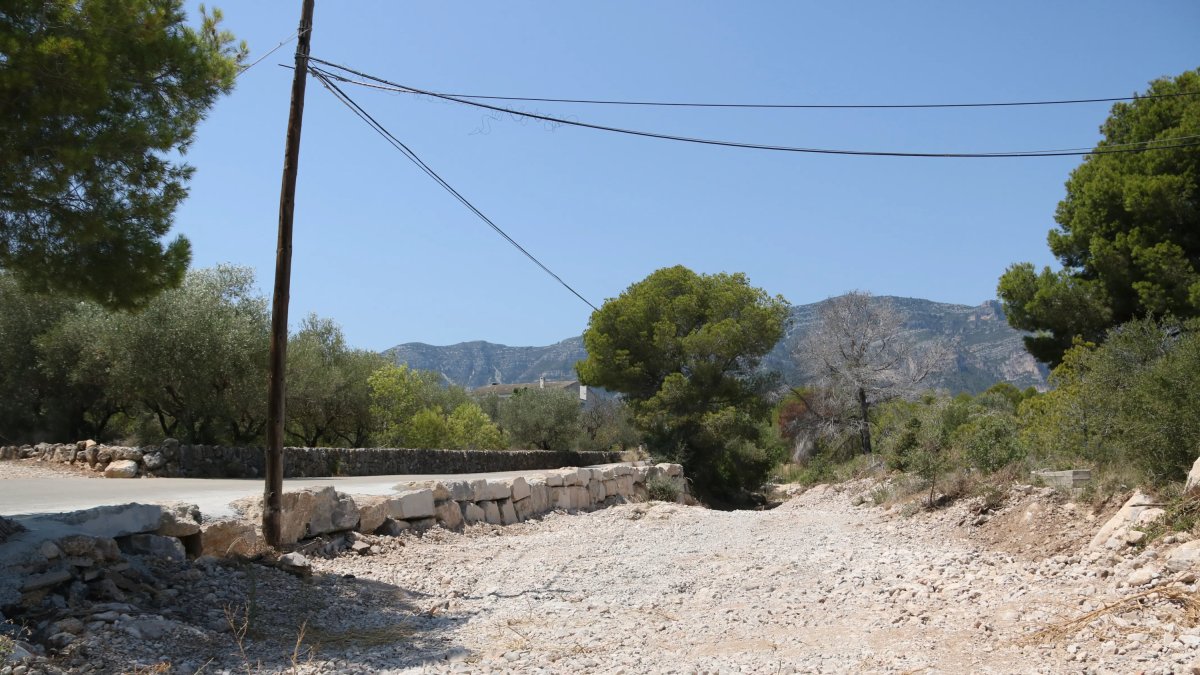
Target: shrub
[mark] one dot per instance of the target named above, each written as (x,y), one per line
(1129,402)
(663,489)
(989,441)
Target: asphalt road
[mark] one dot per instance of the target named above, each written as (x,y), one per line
(28,496)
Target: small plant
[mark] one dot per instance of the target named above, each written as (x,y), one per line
(991,498)
(881,494)
(662,489)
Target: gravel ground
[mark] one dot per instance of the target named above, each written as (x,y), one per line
(33,468)
(815,586)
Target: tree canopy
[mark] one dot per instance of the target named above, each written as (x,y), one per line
(544,419)
(683,349)
(1128,234)
(96,99)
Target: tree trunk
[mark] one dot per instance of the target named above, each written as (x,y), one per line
(865,430)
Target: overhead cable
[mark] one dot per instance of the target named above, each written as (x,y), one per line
(816,106)
(412,156)
(381,83)
(259,60)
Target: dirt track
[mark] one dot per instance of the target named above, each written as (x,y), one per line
(816,585)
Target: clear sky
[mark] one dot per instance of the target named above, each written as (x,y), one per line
(386,253)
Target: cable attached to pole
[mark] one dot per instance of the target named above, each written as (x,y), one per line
(412,156)
(393,86)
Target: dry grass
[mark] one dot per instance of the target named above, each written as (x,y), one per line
(1176,597)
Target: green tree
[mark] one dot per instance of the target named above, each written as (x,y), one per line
(196,357)
(405,400)
(427,429)
(684,348)
(1128,235)
(607,424)
(328,398)
(1128,402)
(77,356)
(97,98)
(469,428)
(24,387)
(545,419)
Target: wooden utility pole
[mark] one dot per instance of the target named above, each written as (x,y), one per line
(273,494)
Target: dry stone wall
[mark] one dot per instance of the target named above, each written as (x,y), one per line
(57,550)
(315,512)
(172,459)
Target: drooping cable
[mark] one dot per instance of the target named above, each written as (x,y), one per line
(358,110)
(393,86)
(815,106)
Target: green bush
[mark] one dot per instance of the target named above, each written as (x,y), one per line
(989,441)
(1130,402)
(663,489)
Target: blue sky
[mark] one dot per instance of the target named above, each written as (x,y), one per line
(392,258)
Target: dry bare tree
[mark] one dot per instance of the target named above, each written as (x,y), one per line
(861,357)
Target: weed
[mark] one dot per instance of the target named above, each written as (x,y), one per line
(1180,515)
(662,489)
(882,494)
(990,497)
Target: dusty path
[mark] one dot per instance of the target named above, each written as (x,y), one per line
(816,585)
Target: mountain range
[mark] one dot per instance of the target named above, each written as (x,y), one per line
(983,350)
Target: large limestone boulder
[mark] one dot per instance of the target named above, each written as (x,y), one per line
(473,513)
(1193,478)
(121,468)
(372,512)
(491,513)
(518,489)
(441,491)
(449,514)
(344,515)
(498,489)
(412,505)
(179,520)
(1185,557)
(223,538)
(508,514)
(112,521)
(1113,533)
(306,513)
(460,491)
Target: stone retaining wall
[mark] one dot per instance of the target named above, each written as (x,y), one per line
(314,512)
(60,552)
(171,459)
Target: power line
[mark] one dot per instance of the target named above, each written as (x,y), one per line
(412,156)
(259,60)
(816,106)
(392,86)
